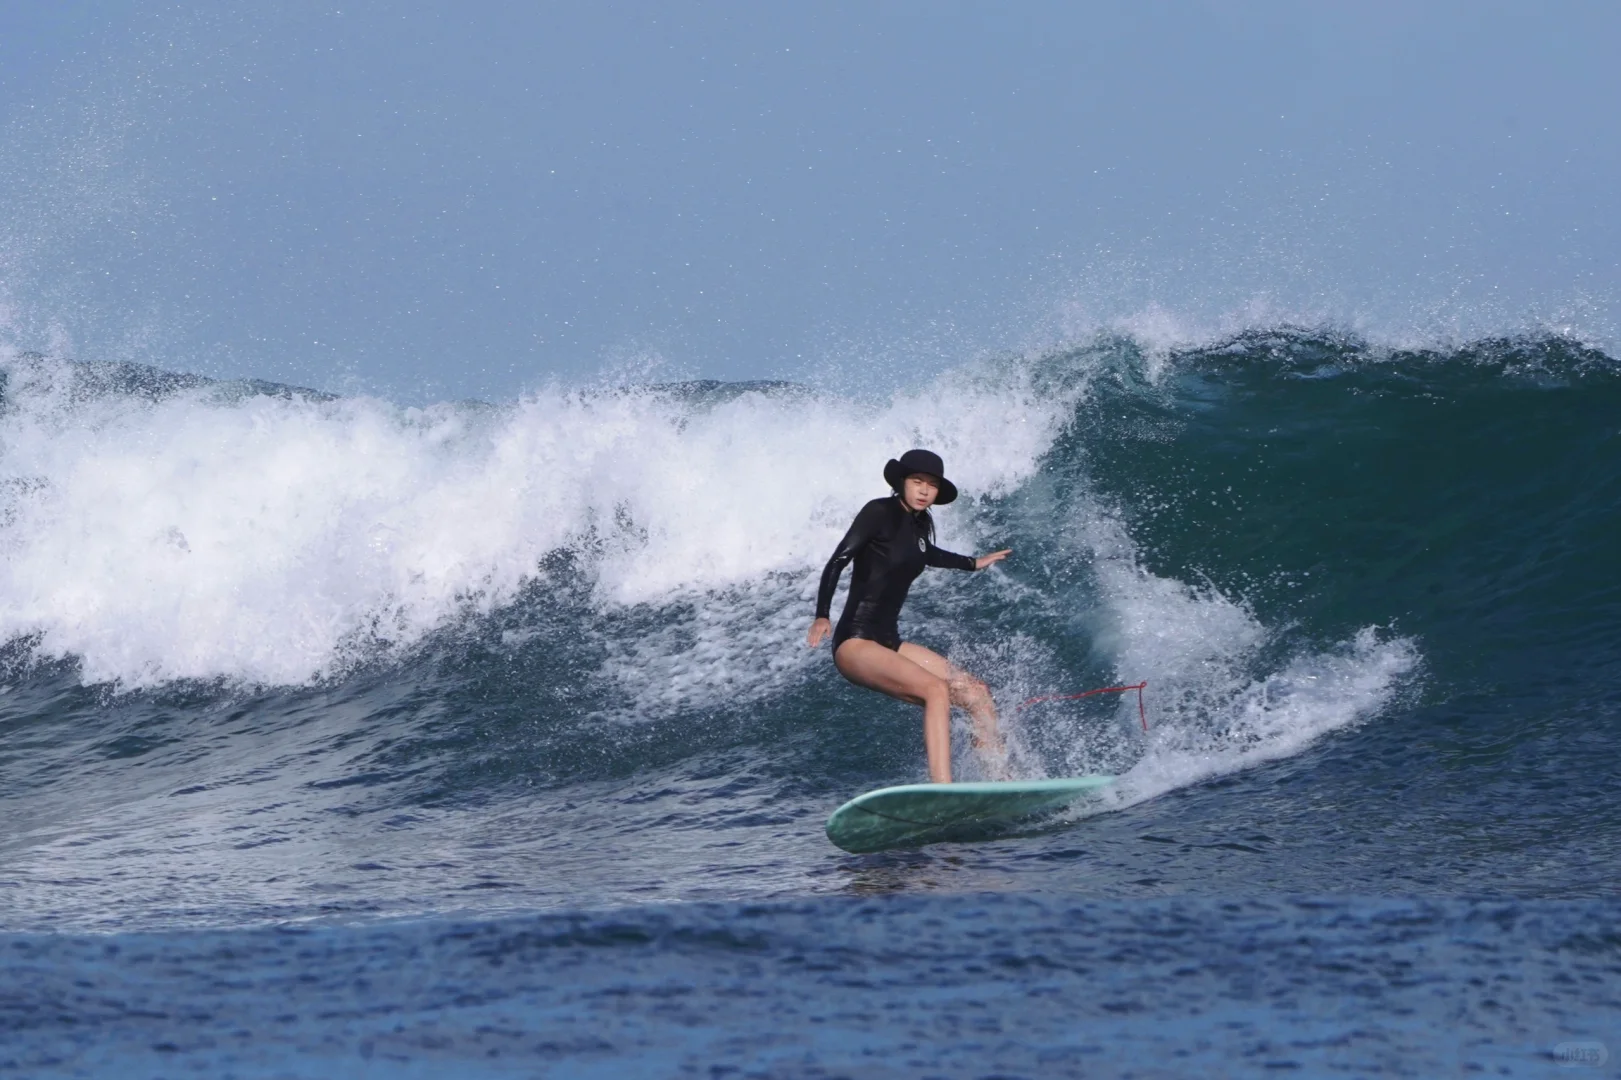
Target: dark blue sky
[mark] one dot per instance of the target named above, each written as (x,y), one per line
(435,199)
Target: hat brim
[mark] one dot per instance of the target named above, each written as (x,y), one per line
(895,475)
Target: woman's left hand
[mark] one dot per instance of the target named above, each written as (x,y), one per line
(994,557)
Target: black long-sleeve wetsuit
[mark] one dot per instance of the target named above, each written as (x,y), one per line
(890,547)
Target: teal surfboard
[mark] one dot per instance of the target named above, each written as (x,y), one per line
(916,814)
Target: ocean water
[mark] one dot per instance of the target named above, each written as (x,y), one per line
(343,738)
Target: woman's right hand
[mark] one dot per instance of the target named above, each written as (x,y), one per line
(818,630)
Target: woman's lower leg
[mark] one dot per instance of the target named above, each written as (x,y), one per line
(976,698)
(869,664)
(937,736)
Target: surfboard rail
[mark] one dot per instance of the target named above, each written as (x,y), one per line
(911,815)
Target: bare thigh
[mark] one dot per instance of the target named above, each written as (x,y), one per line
(869,664)
(963,685)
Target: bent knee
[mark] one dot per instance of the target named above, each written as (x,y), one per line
(970,691)
(937,691)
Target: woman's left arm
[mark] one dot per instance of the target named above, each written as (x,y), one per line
(994,557)
(950,560)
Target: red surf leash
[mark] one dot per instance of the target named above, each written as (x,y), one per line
(1142,713)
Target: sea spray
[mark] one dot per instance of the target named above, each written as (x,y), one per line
(315,656)
(268,539)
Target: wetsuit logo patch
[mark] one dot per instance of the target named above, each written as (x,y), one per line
(923,545)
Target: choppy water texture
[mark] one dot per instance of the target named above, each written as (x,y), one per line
(415,678)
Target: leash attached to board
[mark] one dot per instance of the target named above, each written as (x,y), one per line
(1142,713)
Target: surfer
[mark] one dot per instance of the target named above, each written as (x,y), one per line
(891,541)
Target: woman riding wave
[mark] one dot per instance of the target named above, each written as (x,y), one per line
(891,541)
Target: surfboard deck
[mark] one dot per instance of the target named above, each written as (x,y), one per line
(915,814)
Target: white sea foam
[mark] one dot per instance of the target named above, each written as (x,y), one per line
(1218,701)
(270,540)
(273,540)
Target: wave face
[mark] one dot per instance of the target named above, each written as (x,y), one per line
(275,654)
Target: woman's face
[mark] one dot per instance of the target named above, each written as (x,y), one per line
(920,491)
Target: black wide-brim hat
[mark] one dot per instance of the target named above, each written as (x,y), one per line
(920,461)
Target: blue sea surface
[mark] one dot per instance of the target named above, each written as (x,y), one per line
(1001,985)
(345,738)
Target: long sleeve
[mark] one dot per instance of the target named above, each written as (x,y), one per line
(866,524)
(948,560)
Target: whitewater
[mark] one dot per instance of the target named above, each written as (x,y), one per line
(288,671)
